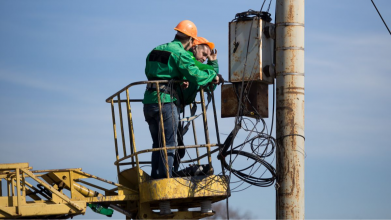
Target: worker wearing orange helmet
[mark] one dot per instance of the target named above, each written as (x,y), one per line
(170,61)
(201,51)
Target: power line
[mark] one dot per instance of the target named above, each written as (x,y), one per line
(381,17)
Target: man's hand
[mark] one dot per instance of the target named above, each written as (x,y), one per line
(185,85)
(213,55)
(218,79)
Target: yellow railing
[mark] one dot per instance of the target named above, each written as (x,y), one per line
(116,98)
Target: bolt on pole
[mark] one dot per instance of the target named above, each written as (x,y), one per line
(290,108)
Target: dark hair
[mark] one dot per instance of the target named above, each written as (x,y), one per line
(183,38)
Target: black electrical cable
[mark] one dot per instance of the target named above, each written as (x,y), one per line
(256,181)
(268,8)
(258,158)
(381,17)
(263,5)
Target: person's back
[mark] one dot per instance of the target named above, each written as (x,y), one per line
(165,62)
(172,61)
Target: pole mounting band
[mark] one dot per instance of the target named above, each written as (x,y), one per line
(290,24)
(287,74)
(290,48)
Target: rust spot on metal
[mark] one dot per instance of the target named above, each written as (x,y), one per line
(291,13)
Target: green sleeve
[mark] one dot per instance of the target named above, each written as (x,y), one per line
(191,72)
(214,64)
(202,66)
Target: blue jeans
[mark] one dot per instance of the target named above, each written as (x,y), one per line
(170,120)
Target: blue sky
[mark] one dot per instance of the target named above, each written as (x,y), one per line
(60,60)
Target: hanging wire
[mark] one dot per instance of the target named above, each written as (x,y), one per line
(263,5)
(381,17)
(268,8)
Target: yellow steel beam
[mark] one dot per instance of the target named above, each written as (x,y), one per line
(106,181)
(42,209)
(18,196)
(115,134)
(205,125)
(163,135)
(13,166)
(55,170)
(131,131)
(54,191)
(93,185)
(112,198)
(12,186)
(122,125)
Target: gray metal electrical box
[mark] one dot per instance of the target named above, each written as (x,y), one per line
(251,51)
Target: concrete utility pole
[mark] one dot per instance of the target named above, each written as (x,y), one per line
(290,108)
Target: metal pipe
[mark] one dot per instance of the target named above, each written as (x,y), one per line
(205,125)
(115,134)
(200,157)
(18,196)
(13,186)
(122,125)
(92,185)
(162,129)
(9,187)
(130,100)
(168,148)
(132,163)
(54,170)
(108,100)
(86,191)
(130,126)
(290,109)
(106,181)
(195,137)
(183,161)
(215,115)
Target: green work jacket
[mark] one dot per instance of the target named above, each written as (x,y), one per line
(188,95)
(172,61)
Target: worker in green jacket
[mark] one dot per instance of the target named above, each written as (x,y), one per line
(204,50)
(201,51)
(165,62)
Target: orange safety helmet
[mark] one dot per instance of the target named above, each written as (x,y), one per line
(187,27)
(202,40)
